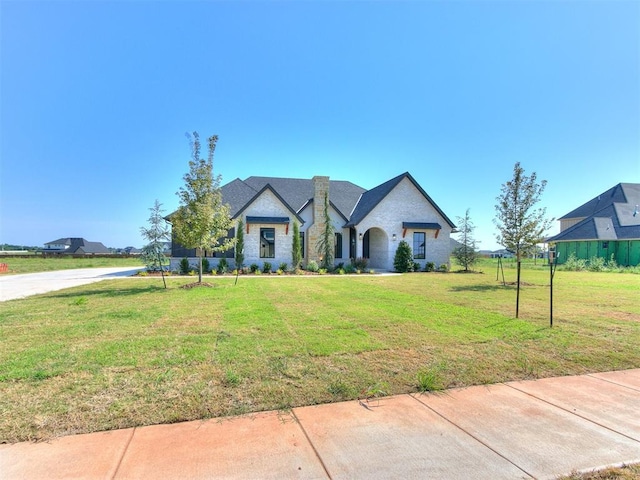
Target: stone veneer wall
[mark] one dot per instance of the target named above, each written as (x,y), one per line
(320,188)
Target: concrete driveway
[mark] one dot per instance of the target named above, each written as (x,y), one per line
(20,286)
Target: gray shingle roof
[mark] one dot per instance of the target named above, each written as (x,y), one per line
(374,196)
(612,215)
(296,192)
(80,245)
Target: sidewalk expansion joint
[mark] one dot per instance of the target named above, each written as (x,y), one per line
(473,436)
(324,467)
(612,382)
(123,453)
(548,402)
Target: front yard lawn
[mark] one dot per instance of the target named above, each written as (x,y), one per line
(122,353)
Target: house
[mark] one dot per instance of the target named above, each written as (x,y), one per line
(75,246)
(367,223)
(607,226)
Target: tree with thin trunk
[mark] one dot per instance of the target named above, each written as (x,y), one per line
(520,225)
(157,233)
(239,253)
(466,253)
(296,247)
(202,221)
(327,238)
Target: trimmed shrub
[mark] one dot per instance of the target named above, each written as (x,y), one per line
(349,269)
(416,267)
(184,266)
(266,267)
(403,259)
(429,267)
(312,266)
(254,268)
(283,266)
(223,266)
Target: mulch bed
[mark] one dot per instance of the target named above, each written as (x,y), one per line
(198,284)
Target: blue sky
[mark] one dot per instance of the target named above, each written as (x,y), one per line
(96,98)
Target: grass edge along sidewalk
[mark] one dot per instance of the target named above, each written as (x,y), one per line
(125,353)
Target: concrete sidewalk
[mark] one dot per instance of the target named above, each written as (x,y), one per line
(27,284)
(529,429)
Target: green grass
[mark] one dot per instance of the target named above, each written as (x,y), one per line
(122,353)
(37,263)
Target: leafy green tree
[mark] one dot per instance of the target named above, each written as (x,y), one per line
(239,253)
(466,254)
(156,234)
(327,238)
(403,259)
(520,226)
(296,247)
(202,221)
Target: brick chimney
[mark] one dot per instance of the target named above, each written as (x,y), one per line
(320,188)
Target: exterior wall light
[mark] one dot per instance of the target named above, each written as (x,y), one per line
(394,237)
(360,236)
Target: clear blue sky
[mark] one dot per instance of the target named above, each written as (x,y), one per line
(96,97)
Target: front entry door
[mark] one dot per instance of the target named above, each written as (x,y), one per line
(365,245)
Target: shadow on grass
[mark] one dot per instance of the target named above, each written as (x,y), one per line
(481,288)
(120,292)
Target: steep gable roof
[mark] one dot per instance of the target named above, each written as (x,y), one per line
(295,192)
(370,199)
(614,194)
(612,215)
(268,187)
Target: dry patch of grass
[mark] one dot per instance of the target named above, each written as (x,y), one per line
(132,353)
(626,472)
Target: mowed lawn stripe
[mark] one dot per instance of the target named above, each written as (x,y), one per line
(122,353)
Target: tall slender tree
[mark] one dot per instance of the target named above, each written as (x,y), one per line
(296,247)
(466,253)
(239,253)
(157,233)
(520,226)
(327,238)
(202,221)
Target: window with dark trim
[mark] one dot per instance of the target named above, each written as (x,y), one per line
(605,244)
(338,245)
(302,243)
(419,239)
(267,242)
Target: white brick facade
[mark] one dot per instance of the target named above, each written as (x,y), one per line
(401,202)
(405,203)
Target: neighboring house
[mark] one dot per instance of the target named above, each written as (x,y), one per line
(502,253)
(608,226)
(77,246)
(367,223)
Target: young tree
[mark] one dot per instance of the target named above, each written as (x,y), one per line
(239,253)
(520,226)
(466,254)
(156,234)
(403,259)
(202,221)
(327,238)
(296,247)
